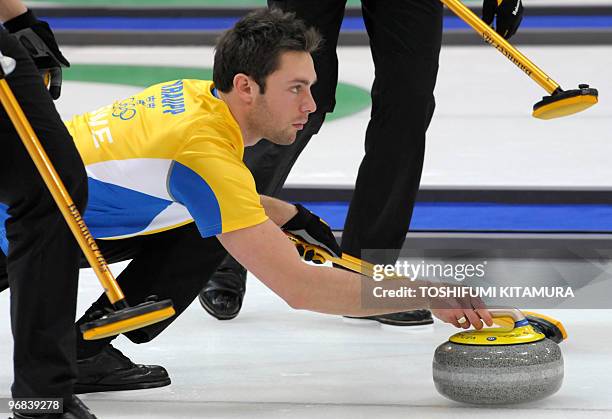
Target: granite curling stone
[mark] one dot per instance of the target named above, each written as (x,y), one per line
(506,365)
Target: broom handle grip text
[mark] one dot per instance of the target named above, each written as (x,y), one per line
(60,194)
(503,46)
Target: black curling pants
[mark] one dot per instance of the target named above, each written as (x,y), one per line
(405,38)
(41,267)
(173,264)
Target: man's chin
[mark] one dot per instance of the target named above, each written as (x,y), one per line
(284,140)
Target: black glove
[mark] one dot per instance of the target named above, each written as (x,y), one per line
(508,15)
(37,38)
(313,230)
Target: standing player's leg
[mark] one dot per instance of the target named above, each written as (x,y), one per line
(43,256)
(174,264)
(405,39)
(270,163)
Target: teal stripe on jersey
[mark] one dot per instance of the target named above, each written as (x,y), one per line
(114,211)
(188,188)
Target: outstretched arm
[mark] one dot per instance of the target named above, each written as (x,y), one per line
(266,252)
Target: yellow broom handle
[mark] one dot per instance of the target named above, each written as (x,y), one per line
(354,264)
(503,46)
(60,194)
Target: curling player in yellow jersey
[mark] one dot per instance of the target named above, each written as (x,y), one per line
(168,189)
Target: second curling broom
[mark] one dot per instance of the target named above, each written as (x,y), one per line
(560,102)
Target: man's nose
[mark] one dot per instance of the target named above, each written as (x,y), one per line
(309,104)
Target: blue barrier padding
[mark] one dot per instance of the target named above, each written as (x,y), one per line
(489,216)
(349,23)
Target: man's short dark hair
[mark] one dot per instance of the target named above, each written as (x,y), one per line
(254,45)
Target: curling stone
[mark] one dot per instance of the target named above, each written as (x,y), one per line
(502,365)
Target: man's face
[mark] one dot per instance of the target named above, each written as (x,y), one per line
(283,109)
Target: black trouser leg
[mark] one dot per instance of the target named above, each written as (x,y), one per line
(405,38)
(174,264)
(43,257)
(271,163)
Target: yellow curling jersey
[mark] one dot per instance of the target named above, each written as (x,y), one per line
(163,158)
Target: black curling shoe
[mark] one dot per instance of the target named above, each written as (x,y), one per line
(110,370)
(223,293)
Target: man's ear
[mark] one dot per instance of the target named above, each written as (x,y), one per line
(245,87)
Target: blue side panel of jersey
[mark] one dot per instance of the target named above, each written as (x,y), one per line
(3,217)
(117,211)
(188,188)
